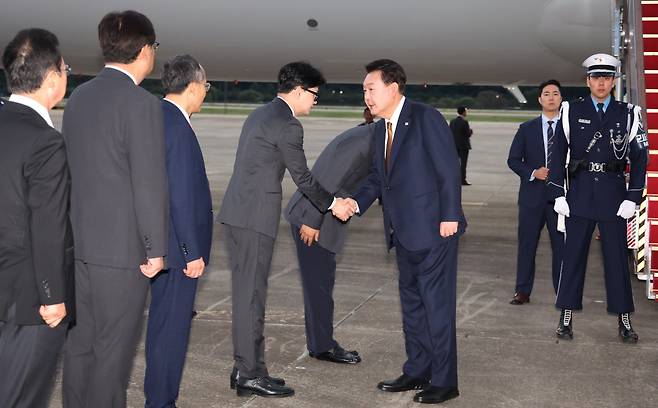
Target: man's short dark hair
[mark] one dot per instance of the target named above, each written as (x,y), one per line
(179,72)
(391,72)
(544,84)
(297,74)
(461,110)
(28,58)
(123,34)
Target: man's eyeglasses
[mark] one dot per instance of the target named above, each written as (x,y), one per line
(66,69)
(155,45)
(315,94)
(207,86)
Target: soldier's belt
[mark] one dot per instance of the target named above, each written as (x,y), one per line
(594,167)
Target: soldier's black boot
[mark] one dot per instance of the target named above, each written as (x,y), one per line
(563,330)
(626,331)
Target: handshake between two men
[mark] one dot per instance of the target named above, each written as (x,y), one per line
(344,208)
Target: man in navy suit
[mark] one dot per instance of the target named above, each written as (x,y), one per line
(529,157)
(190,234)
(415,170)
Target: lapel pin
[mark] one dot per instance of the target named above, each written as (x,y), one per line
(406,123)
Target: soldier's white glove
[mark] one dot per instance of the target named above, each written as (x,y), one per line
(561,207)
(626,209)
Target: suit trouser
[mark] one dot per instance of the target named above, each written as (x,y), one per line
(615,264)
(531,223)
(463,160)
(167,335)
(28,357)
(428,285)
(250,255)
(101,345)
(317,267)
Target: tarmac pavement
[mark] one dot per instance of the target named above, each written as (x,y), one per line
(508,355)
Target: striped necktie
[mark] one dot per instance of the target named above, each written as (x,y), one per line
(549,143)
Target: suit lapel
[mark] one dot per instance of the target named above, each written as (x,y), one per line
(539,130)
(380,142)
(400,132)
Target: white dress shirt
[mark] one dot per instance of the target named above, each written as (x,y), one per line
(31,103)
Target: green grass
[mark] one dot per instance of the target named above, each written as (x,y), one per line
(319,113)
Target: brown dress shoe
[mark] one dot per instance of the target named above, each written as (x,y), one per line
(519,299)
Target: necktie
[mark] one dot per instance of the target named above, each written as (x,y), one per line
(600,110)
(549,143)
(389,144)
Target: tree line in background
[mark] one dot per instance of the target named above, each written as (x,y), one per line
(441,96)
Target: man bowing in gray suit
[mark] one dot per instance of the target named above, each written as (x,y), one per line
(271,142)
(342,166)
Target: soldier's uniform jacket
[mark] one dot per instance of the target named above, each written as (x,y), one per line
(596,184)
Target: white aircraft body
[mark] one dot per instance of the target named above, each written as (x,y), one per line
(437,41)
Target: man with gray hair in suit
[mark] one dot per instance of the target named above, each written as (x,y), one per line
(119,211)
(271,142)
(190,233)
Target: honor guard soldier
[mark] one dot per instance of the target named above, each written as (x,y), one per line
(600,135)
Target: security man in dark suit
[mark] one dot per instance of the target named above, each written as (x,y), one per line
(36,260)
(600,136)
(190,234)
(342,166)
(119,211)
(529,156)
(462,132)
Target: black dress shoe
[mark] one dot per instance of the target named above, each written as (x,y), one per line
(338,355)
(436,395)
(403,383)
(261,386)
(519,299)
(626,331)
(563,330)
(235,374)
(465,183)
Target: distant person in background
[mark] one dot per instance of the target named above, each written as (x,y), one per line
(462,132)
(529,157)
(367,117)
(36,275)
(190,234)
